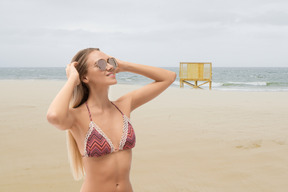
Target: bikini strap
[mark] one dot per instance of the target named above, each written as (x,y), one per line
(88,111)
(90,117)
(117,108)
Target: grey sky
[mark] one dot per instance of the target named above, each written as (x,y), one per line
(227,33)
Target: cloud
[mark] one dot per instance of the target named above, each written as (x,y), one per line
(152,32)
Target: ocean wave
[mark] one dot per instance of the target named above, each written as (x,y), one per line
(245,84)
(277,84)
(219,84)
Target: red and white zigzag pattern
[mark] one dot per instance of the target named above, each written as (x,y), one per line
(97,145)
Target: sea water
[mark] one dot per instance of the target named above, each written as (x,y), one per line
(223,78)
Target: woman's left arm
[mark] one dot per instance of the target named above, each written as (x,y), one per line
(163,79)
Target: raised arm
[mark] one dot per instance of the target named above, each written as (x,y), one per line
(58,113)
(163,79)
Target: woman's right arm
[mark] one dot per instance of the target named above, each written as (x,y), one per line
(58,112)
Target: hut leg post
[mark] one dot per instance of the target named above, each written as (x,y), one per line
(181,83)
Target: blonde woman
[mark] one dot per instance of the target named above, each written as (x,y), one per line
(99,133)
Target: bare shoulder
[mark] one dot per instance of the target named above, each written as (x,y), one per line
(124,104)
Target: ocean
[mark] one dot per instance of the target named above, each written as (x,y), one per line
(223,78)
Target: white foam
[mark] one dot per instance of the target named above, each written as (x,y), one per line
(248,83)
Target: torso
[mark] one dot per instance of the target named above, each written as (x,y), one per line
(107,172)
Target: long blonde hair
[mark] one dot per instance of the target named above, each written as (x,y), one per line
(80,95)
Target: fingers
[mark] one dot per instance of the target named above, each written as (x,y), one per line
(75,63)
(70,68)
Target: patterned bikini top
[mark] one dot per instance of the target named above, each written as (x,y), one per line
(97,143)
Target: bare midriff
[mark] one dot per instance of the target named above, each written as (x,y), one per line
(108,173)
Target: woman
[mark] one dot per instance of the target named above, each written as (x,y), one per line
(100,134)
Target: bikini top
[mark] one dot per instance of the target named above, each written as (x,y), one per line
(97,143)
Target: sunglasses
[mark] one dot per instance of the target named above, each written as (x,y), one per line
(102,64)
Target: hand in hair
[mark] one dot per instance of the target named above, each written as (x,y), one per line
(71,72)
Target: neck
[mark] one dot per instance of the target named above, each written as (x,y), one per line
(98,97)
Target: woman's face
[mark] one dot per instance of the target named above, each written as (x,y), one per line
(94,75)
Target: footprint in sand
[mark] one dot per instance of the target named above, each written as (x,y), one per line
(250,144)
(280,141)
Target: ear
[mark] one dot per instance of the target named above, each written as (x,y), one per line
(85,79)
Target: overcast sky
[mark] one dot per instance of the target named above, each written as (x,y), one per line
(228,33)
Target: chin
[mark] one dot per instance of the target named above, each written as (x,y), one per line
(114,82)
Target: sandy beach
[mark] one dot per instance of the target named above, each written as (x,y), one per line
(187,140)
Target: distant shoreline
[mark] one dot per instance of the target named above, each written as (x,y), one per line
(261,79)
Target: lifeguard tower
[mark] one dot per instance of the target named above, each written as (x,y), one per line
(195,72)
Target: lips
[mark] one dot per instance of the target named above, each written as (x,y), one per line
(108,74)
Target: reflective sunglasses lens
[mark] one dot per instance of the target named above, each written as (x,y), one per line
(102,64)
(112,62)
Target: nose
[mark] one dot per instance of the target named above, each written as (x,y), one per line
(109,67)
